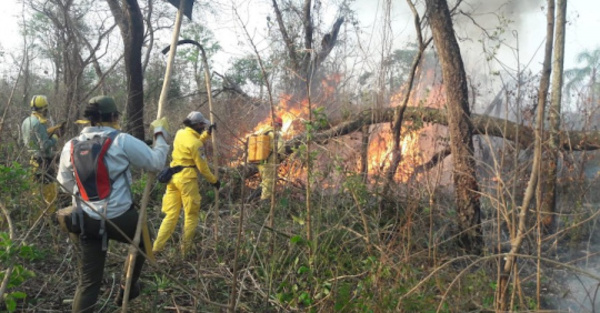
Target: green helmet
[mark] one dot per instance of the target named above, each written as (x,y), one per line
(105,104)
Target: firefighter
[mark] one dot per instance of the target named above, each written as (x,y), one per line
(183,190)
(40,140)
(268,168)
(124,152)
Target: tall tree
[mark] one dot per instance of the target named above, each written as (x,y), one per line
(589,72)
(191,54)
(551,173)
(586,81)
(305,57)
(459,125)
(61,41)
(129,17)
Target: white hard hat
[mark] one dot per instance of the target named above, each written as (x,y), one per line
(197,118)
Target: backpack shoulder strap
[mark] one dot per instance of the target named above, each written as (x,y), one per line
(112,135)
(102,232)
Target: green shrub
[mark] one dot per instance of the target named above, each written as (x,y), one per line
(11,254)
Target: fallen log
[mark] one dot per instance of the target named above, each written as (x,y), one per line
(482,125)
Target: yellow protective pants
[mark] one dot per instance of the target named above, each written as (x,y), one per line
(49,194)
(267,182)
(44,197)
(182,191)
(41,169)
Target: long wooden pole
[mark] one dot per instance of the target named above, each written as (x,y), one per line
(152,176)
(214,141)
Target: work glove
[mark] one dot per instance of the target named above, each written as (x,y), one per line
(57,130)
(217,185)
(160,126)
(211,127)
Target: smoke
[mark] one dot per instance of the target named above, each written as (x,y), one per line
(511,6)
(579,293)
(480,20)
(516,11)
(495,36)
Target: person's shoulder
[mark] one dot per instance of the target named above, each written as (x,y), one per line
(183,131)
(187,133)
(123,137)
(31,119)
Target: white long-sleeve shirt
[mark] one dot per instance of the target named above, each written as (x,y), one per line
(125,150)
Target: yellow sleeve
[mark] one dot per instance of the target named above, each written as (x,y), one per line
(204,137)
(201,164)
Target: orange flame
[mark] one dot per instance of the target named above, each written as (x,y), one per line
(380,152)
(289,111)
(380,149)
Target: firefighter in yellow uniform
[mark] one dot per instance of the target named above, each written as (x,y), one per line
(183,190)
(40,140)
(268,168)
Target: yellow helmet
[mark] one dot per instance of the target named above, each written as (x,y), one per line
(39,102)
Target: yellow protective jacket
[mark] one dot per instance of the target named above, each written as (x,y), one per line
(268,168)
(188,150)
(182,191)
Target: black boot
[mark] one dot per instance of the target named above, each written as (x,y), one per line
(133,293)
(254,194)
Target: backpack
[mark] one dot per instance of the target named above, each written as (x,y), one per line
(259,147)
(93,180)
(91,173)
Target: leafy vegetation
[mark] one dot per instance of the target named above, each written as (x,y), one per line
(360,247)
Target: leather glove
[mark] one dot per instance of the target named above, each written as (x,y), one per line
(160,126)
(211,127)
(217,184)
(57,130)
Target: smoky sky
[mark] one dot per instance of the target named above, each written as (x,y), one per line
(488,13)
(514,6)
(479,20)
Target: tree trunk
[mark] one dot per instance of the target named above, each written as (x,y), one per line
(305,64)
(399,114)
(364,152)
(130,21)
(460,129)
(550,176)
